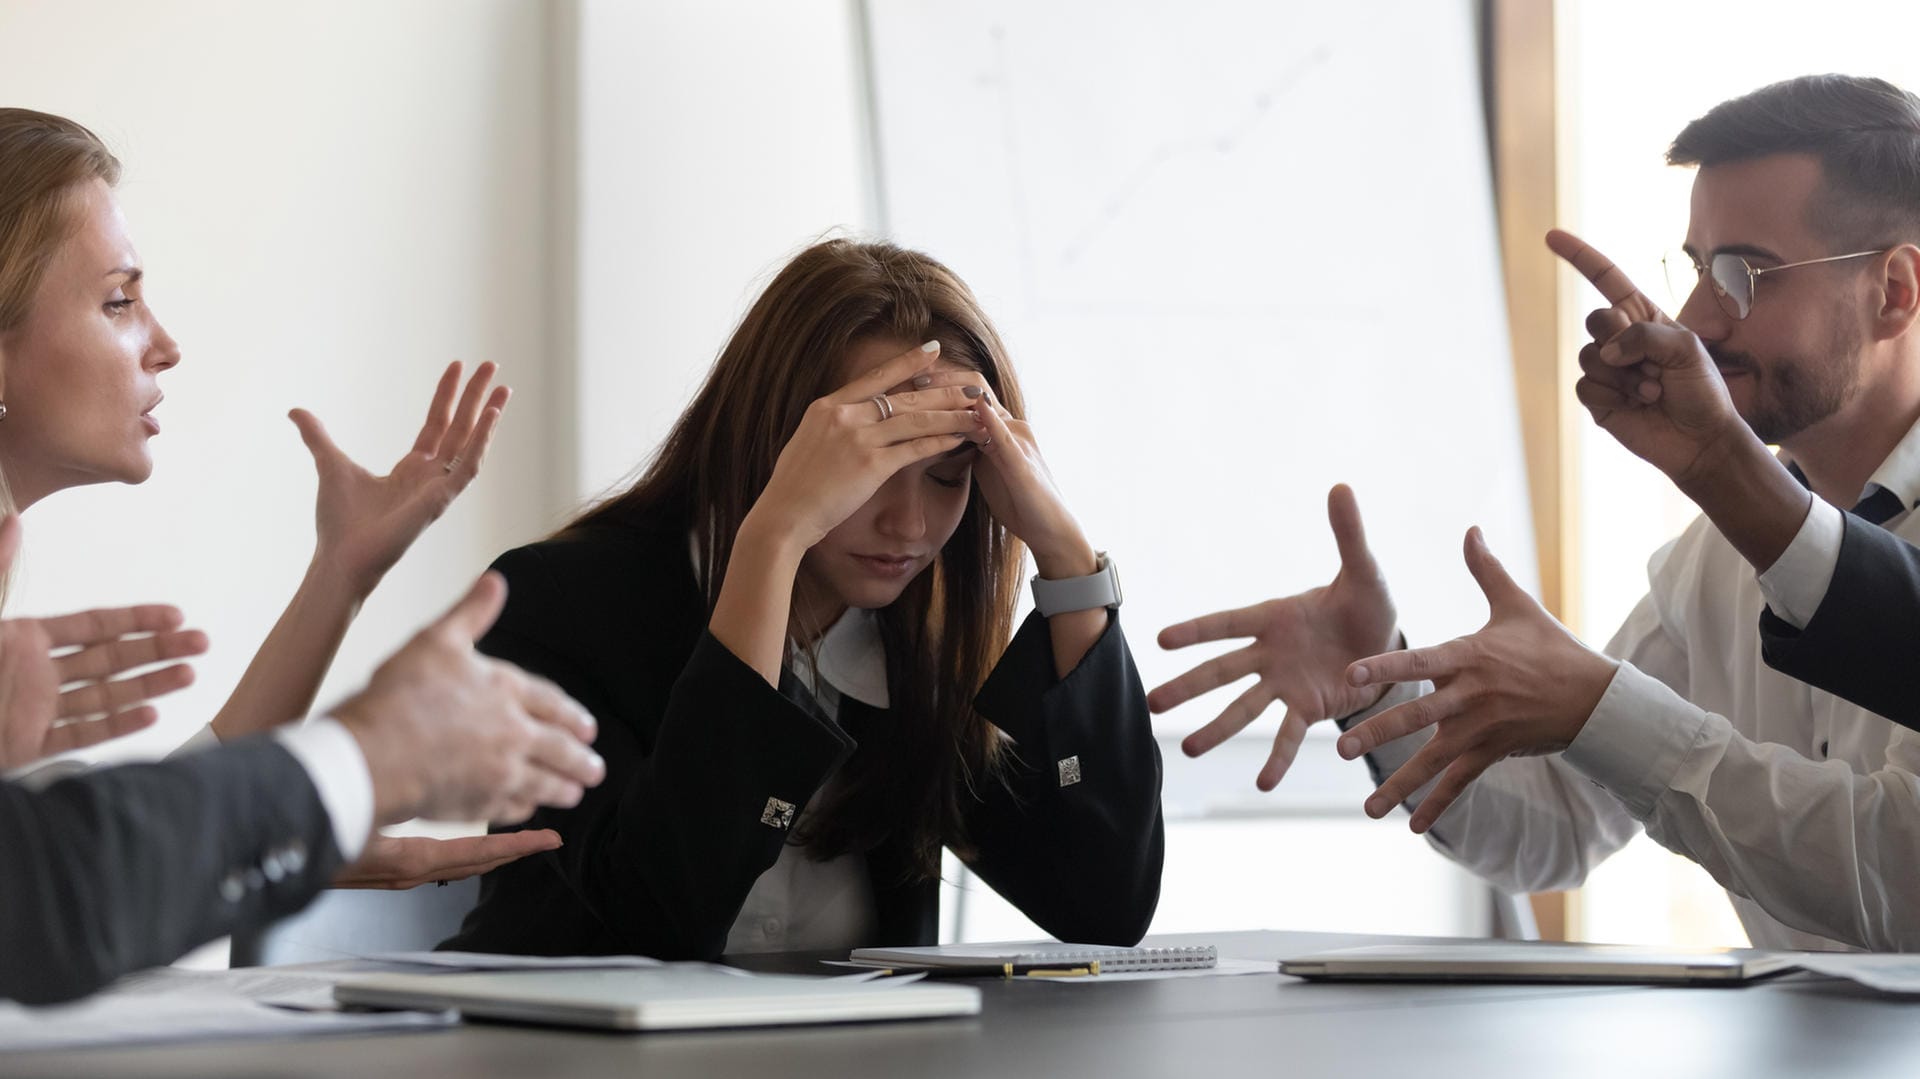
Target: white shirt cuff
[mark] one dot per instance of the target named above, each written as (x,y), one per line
(1636,739)
(1797,581)
(333,760)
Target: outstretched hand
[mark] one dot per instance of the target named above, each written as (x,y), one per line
(398,862)
(1301,646)
(86,652)
(1521,686)
(366,522)
(451,734)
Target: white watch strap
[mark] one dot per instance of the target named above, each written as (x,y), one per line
(1098,589)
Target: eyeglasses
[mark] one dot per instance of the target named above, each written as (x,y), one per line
(1733,277)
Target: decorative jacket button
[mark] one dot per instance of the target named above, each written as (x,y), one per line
(1070,771)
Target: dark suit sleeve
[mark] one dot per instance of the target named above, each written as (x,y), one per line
(1864,638)
(131,867)
(1073,837)
(665,850)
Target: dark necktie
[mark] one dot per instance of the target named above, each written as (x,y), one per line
(1876,509)
(1879,507)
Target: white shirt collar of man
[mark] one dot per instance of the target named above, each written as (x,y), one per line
(1900,472)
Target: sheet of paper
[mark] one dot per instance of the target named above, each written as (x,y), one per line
(149,1018)
(1889,973)
(305,988)
(310,986)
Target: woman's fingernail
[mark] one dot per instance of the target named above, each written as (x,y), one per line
(921,382)
(972,392)
(930,346)
(1349,747)
(1609,352)
(1357,675)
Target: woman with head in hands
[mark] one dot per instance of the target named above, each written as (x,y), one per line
(796,631)
(81,355)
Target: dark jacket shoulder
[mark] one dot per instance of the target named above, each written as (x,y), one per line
(610,611)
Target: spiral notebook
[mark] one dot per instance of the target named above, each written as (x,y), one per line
(1037,952)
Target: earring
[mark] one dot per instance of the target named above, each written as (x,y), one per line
(3,410)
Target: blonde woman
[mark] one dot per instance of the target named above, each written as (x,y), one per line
(82,356)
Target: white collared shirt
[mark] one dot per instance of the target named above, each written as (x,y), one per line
(1797,581)
(800,904)
(1805,807)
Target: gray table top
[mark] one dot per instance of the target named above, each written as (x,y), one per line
(1248,1025)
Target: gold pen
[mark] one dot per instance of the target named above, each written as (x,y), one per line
(1002,970)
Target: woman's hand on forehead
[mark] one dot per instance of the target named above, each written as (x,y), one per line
(943,374)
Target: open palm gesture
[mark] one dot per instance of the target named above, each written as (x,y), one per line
(1300,648)
(60,688)
(366,522)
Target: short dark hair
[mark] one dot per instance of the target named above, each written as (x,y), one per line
(1865,133)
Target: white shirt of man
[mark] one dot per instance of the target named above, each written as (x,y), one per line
(1806,808)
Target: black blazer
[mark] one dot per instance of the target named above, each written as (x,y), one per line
(659,858)
(124,868)
(1863,642)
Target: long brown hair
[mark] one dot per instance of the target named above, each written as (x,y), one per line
(913,774)
(45,160)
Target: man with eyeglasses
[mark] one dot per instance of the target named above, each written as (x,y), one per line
(1801,328)
(1842,592)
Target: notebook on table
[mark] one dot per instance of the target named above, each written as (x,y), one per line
(1539,961)
(1041,953)
(676,996)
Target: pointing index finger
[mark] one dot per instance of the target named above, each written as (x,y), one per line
(1612,281)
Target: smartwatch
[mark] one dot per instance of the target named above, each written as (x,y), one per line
(1100,588)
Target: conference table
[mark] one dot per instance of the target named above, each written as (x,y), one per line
(1258,1024)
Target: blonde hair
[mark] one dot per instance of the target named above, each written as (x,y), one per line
(44,162)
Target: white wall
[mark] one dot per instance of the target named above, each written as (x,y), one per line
(332,201)
(716,138)
(1224,296)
